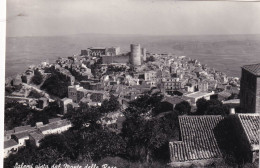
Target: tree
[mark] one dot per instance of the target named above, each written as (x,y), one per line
(85,119)
(49,156)
(56,85)
(211,107)
(37,78)
(146,105)
(150,59)
(62,143)
(103,143)
(144,132)
(16,114)
(201,106)
(143,137)
(35,94)
(183,107)
(86,124)
(31,155)
(24,155)
(110,105)
(48,112)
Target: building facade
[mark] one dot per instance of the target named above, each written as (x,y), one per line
(250,88)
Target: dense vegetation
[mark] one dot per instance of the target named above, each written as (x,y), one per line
(142,142)
(37,78)
(96,69)
(17,114)
(211,107)
(89,141)
(35,94)
(183,108)
(147,133)
(150,59)
(110,105)
(57,84)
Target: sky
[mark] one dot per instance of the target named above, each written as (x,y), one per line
(164,17)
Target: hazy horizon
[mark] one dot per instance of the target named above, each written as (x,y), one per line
(223,52)
(147,17)
(147,35)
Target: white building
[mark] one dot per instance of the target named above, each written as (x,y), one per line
(194,97)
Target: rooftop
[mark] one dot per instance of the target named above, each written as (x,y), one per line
(10,143)
(97,48)
(198,139)
(59,124)
(65,99)
(173,100)
(37,135)
(23,128)
(54,120)
(44,128)
(21,135)
(199,94)
(251,125)
(8,132)
(253,68)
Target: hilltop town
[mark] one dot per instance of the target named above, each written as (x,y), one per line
(100,71)
(167,96)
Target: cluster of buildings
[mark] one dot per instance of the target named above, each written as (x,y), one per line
(202,137)
(175,76)
(19,136)
(136,56)
(179,78)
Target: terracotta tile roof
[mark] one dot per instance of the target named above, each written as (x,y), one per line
(251,125)
(198,140)
(253,68)
(10,143)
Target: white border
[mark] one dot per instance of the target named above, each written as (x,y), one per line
(2,73)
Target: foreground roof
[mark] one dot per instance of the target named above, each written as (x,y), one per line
(198,139)
(251,126)
(253,68)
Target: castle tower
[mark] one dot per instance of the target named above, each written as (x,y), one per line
(135,55)
(144,54)
(250,89)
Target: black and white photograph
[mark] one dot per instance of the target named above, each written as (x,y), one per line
(130,84)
